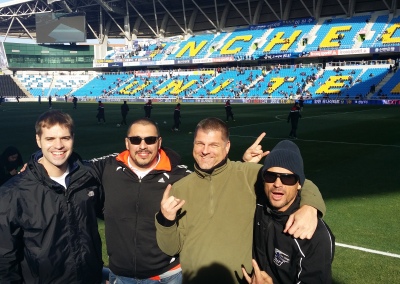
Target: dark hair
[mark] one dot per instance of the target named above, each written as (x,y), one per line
(213,124)
(10,151)
(144,121)
(54,117)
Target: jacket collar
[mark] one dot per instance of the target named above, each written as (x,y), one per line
(213,171)
(163,165)
(40,173)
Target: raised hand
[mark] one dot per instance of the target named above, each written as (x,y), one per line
(170,205)
(255,152)
(259,276)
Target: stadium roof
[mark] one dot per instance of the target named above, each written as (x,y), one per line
(165,18)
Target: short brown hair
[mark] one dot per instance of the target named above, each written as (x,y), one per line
(144,121)
(215,124)
(54,117)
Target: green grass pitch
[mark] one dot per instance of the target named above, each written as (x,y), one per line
(351,152)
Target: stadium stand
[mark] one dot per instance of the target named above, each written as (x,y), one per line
(338,33)
(9,87)
(391,90)
(269,78)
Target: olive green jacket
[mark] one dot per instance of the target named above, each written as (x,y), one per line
(214,232)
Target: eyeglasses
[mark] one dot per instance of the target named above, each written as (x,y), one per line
(136,140)
(286,179)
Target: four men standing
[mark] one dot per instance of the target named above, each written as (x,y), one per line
(134,183)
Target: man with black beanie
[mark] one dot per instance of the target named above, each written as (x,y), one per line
(280,258)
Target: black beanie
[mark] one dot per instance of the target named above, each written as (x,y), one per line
(286,155)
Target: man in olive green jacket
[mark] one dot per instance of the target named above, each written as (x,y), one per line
(207,217)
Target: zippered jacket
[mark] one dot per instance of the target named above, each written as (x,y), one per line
(49,234)
(287,259)
(130,206)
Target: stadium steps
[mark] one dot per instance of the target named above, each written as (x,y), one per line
(21,86)
(381,84)
(368,27)
(319,74)
(254,82)
(312,35)
(263,39)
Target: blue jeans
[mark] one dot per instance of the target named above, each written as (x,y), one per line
(174,279)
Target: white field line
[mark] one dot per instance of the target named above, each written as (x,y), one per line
(369,250)
(317,141)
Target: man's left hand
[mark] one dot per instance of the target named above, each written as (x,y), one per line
(255,152)
(302,223)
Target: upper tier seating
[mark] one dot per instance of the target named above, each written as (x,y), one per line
(338,33)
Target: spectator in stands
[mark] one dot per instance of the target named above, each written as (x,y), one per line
(177,117)
(228,110)
(124,112)
(372,89)
(48,224)
(100,113)
(293,117)
(280,256)
(147,109)
(10,163)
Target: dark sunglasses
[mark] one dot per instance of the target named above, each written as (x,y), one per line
(136,140)
(286,179)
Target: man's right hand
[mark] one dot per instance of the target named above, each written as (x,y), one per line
(255,153)
(170,205)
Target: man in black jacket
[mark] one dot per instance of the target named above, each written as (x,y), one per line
(177,117)
(48,214)
(280,258)
(228,110)
(293,117)
(147,108)
(134,182)
(124,112)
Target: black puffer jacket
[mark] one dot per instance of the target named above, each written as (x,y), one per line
(49,234)
(130,206)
